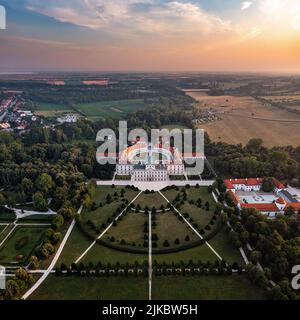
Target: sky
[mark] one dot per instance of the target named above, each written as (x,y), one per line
(151,35)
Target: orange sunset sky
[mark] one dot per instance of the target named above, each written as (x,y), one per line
(151,35)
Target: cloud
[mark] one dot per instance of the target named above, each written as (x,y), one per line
(246,5)
(135,17)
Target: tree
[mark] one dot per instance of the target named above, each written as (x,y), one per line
(39,202)
(57,222)
(254,145)
(255,256)
(44,183)
(2,200)
(67,212)
(34,263)
(268,185)
(166,243)
(13,290)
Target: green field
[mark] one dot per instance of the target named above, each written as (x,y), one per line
(7,217)
(200,253)
(221,243)
(91,288)
(235,287)
(170,228)
(18,248)
(112,109)
(151,200)
(106,211)
(47,219)
(100,253)
(52,109)
(130,229)
(2,229)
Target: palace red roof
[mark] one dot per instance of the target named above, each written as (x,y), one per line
(281,201)
(278,184)
(248,182)
(295,205)
(270,207)
(234,197)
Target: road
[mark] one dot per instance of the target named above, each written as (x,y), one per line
(54,261)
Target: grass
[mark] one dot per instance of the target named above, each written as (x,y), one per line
(174,126)
(221,243)
(170,228)
(112,109)
(101,214)
(200,253)
(7,217)
(37,219)
(151,200)
(19,246)
(76,244)
(91,288)
(51,109)
(2,228)
(199,215)
(100,253)
(130,229)
(235,287)
(102,192)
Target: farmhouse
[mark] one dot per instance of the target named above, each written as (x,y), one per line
(248,193)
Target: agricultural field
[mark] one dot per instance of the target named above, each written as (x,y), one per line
(20,245)
(112,109)
(51,109)
(244,118)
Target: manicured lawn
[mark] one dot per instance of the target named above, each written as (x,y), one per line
(7,217)
(235,287)
(5,232)
(170,228)
(102,192)
(21,243)
(193,193)
(199,215)
(101,214)
(2,229)
(37,219)
(223,246)
(75,246)
(151,200)
(130,229)
(92,288)
(100,253)
(112,109)
(200,253)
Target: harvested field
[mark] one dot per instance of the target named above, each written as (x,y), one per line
(244,118)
